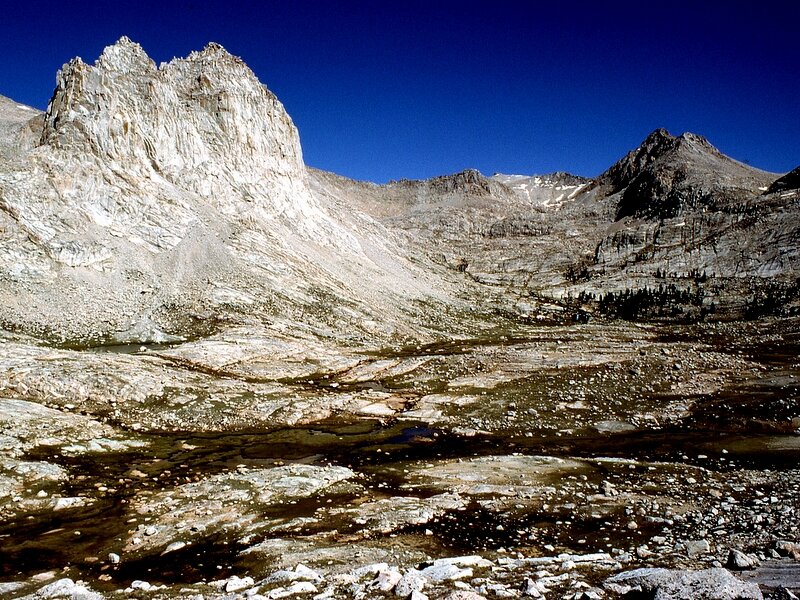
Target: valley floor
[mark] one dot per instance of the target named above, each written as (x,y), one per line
(534,461)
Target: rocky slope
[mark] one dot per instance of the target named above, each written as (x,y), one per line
(675,229)
(159,201)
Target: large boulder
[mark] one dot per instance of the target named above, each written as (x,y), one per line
(676,584)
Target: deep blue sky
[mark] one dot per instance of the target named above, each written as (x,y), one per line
(382,90)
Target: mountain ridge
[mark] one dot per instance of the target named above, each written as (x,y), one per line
(140,168)
(224,373)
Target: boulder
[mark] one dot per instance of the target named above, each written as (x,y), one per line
(740,561)
(676,584)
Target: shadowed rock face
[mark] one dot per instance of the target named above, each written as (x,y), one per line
(790,181)
(624,172)
(667,176)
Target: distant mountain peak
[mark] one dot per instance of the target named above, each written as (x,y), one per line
(214,53)
(465,176)
(214,47)
(624,171)
(667,174)
(657,146)
(658,136)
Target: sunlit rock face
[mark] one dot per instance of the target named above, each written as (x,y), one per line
(155,195)
(134,150)
(202,122)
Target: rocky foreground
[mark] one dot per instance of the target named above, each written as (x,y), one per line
(226,375)
(443,470)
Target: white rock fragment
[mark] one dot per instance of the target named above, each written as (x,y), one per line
(173,547)
(386,580)
(464,561)
(697,547)
(140,584)
(300,572)
(372,569)
(66,588)
(445,572)
(411,581)
(236,583)
(740,561)
(298,587)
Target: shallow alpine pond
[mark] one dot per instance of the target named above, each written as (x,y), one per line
(585,500)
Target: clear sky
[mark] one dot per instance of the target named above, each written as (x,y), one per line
(383,90)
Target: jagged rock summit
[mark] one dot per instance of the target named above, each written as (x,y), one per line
(125,108)
(667,175)
(624,171)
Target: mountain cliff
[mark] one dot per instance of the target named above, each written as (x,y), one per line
(170,202)
(157,201)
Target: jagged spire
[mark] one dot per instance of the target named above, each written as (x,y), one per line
(655,145)
(124,55)
(205,111)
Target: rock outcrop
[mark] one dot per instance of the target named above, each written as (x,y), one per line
(789,182)
(673,584)
(204,123)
